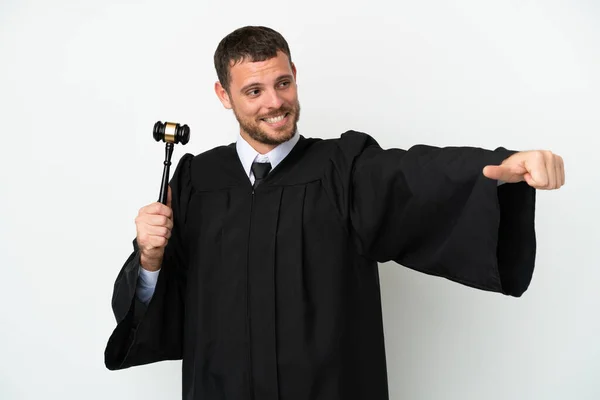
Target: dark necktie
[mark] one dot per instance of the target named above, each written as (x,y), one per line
(260,171)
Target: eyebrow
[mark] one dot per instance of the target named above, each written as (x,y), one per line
(257,84)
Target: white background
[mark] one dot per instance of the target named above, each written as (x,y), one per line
(82,84)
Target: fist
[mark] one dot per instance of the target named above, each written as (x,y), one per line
(153,225)
(541,169)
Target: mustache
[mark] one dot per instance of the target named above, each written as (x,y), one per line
(278,112)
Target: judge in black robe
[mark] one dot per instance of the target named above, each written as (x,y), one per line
(274,293)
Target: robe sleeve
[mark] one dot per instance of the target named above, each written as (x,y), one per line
(431,209)
(146,334)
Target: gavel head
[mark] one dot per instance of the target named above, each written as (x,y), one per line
(171,132)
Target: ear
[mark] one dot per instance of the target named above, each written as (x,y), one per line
(222,95)
(294,70)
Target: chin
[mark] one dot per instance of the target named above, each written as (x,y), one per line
(274,138)
(268,135)
(283,136)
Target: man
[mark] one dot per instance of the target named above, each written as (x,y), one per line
(261,273)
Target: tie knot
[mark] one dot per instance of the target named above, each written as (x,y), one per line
(260,170)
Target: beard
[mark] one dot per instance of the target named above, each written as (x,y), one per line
(282,134)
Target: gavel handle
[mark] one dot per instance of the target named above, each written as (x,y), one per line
(164,186)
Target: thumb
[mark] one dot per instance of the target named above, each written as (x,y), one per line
(505,173)
(529,179)
(495,172)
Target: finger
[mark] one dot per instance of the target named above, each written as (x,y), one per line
(494,172)
(561,166)
(148,242)
(157,208)
(153,230)
(550,169)
(505,173)
(557,173)
(169,196)
(157,220)
(529,179)
(157,241)
(537,169)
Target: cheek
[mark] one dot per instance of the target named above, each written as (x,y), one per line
(291,98)
(244,108)
(248,111)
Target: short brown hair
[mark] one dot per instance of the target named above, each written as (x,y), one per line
(255,43)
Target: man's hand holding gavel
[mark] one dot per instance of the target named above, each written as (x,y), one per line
(153,224)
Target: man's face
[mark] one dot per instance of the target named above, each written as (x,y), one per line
(264,99)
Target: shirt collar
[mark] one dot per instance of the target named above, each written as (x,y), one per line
(248,155)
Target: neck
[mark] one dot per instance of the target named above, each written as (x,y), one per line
(261,148)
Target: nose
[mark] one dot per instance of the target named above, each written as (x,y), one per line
(273,100)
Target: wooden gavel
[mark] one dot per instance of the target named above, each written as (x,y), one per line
(170,133)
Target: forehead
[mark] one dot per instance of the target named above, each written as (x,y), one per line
(260,71)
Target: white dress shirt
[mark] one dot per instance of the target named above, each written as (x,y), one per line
(147,279)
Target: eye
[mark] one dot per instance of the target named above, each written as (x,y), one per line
(284,84)
(253,92)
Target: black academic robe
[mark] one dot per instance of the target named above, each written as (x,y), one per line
(274,293)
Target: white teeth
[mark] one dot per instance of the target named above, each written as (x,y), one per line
(274,120)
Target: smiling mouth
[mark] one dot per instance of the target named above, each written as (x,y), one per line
(274,120)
